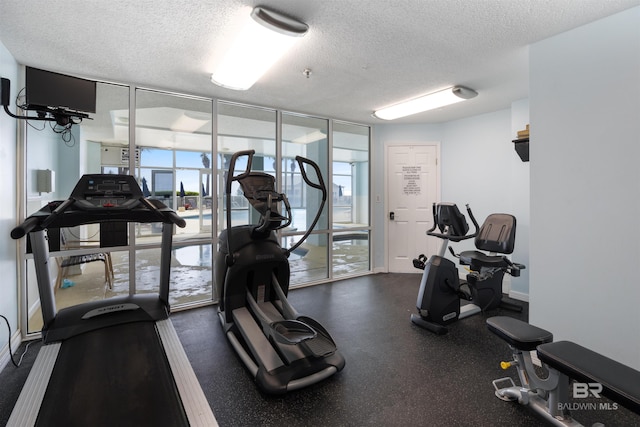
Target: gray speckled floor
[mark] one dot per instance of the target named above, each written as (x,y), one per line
(396,373)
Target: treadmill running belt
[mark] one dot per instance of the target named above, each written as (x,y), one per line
(114,376)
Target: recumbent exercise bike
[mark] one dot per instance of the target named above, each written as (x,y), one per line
(441,291)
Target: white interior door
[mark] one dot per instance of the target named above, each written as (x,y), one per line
(413,186)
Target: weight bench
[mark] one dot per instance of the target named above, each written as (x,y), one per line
(620,383)
(565,360)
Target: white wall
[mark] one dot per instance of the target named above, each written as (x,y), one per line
(382,136)
(585,185)
(479,166)
(8,261)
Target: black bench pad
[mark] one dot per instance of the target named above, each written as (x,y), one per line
(620,383)
(517,333)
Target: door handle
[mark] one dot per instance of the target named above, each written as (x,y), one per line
(392,216)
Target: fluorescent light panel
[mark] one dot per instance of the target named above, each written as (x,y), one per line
(264,39)
(427,102)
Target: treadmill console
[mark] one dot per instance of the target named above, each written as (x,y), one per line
(107,192)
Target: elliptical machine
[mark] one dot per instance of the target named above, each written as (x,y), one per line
(441,291)
(282,349)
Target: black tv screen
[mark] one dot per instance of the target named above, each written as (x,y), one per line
(58,91)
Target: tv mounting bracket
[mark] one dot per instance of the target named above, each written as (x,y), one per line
(59,115)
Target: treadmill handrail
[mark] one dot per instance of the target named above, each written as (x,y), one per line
(42,219)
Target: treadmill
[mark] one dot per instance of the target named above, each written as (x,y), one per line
(116,361)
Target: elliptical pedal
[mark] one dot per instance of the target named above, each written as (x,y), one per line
(320,346)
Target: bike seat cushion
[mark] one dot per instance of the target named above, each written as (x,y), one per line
(480,259)
(497,234)
(517,333)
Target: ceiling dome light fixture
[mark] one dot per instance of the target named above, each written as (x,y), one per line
(264,39)
(427,102)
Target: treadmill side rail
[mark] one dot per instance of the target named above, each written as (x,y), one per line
(194,401)
(26,409)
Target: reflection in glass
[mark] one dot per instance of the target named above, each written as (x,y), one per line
(191,277)
(78,283)
(350,199)
(99,145)
(350,254)
(308,262)
(174,140)
(173,160)
(350,192)
(243,128)
(306,137)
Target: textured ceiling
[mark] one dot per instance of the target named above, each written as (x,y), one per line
(364,54)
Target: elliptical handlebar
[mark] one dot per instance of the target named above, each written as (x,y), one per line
(268,215)
(320,185)
(232,168)
(302,161)
(229,259)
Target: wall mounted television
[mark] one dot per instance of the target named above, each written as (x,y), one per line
(47,91)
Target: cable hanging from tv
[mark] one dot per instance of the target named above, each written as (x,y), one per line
(54,97)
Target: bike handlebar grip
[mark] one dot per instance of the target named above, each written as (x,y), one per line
(473,219)
(433,211)
(24,228)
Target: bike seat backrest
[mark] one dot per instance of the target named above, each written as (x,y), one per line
(257,187)
(497,234)
(448,216)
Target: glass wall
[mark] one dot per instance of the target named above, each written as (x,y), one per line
(173,140)
(242,128)
(167,143)
(173,157)
(65,154)
(350,199)
(307,137)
